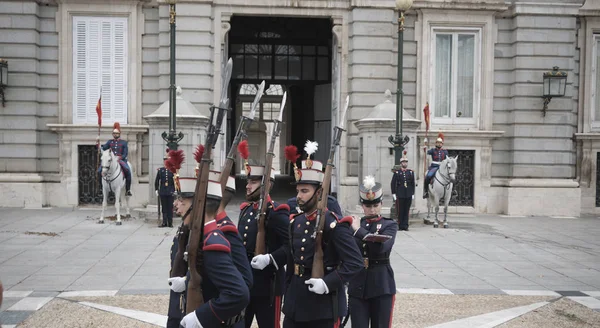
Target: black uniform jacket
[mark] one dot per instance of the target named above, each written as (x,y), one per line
(378,278)
(277,236)
(400,179)
(218,269)
(342,261)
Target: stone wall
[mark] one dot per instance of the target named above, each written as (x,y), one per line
(534,146)
(372,67)
(150,75)
(29,42)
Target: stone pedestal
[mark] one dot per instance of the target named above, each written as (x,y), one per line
(376,154)
(190,121)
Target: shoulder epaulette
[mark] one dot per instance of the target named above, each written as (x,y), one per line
(216,241)
(244,205)
(281,207)
(345,219)
(227,226)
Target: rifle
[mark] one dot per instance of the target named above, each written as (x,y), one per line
(318,269)
(195,258)
(261,246)
(241,133)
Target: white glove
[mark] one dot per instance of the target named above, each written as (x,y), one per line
(394,197)
(413,196)
(260,262)
(156,191)
(191,321)
(177,284)
(317,286)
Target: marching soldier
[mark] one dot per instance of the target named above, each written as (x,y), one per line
(226,225)
(119,147)
(372,292)
(332,205)
(438,154)
(164,187)
(403,192)
(315,302)
(224,290)
(268,288)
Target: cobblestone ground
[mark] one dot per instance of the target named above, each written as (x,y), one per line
(59,268)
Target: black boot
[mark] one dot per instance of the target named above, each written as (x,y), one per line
(128,185)
(426,188)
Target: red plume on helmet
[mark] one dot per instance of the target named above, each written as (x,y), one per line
(441,135)
(117,126)
(291,153)
(199,153)
(176,158)
(243,149)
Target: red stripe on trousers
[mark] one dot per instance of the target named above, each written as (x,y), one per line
(392,311)
(277,311)
(337,324)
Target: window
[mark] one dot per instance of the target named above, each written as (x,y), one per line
(270,103)
(596,79)
(99,61)
(455,75)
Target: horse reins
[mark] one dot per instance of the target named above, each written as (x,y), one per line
(115,178)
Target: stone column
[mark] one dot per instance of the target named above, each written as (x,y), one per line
(190,121)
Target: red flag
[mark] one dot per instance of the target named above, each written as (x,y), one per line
(426,115)
(99,109)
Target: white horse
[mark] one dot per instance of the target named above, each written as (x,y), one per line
(113,179)
(441,187)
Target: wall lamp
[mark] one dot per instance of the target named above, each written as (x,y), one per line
(555,85)
(3,79)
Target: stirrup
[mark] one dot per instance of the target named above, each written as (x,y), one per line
(128,193)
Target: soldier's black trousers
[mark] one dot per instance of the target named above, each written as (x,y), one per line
(166,203)
(403,210)
(289,323)
(176,309)
(267,316)
(377,310)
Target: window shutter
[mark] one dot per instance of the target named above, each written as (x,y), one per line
(80,82)
(100,48)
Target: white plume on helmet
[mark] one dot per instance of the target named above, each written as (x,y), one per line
(369,182)
(311,147)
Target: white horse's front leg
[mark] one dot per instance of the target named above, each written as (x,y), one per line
(118,204)
(437,210)
(104,197)
(446,202)
(128,214)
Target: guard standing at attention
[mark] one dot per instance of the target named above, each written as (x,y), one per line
(403,192)
(164,187)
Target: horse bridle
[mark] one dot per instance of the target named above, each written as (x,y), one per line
(105,178)
(446,178)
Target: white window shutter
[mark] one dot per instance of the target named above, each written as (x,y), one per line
(100,59)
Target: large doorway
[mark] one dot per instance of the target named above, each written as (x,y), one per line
(292,55)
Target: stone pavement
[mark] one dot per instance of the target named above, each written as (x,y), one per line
(46,252)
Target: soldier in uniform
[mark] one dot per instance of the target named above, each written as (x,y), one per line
(224,290)
(315,302)
(403,192)
(372,292)
(332,205)
(268,288)
(164,187)
(438,154)
(119,147)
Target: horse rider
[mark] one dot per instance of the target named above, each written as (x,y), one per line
(268,288)
(314,302)
(403,192)
(438,154)
(224,290)
(164,187)
(119,148)
(372,292)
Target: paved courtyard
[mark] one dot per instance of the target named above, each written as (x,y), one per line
(53,261)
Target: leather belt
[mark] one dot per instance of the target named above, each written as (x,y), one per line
(300,270)
(233,320)
(374,262)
